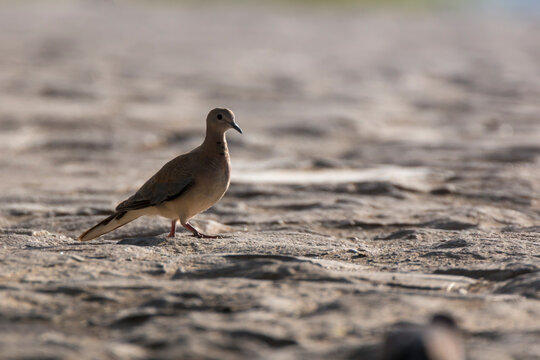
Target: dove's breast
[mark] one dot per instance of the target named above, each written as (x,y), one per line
(209,186)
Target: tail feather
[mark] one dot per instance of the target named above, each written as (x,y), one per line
(108,224)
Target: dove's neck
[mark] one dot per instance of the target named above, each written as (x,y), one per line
(215,141)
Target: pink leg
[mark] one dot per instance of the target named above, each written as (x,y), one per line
(173,229)
(197,233)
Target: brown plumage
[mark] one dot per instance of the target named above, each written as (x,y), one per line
(183,187)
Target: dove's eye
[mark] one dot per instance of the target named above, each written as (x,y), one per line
(219,116)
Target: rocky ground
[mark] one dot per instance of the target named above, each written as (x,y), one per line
(389,170)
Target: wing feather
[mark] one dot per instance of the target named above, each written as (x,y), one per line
(170,182)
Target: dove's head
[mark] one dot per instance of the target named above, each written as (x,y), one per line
(221,120)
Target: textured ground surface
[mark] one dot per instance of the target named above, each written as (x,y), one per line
(389,169)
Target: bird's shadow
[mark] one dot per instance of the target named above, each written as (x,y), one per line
(156,241)
(142,241)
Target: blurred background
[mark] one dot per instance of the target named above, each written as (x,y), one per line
(87,79)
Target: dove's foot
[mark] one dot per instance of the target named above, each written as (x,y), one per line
(199,234)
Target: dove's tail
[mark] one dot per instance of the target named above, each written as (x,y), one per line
(114,221)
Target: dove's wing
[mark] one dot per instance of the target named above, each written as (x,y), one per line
(170,182)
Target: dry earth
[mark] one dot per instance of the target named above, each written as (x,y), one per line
(389,169)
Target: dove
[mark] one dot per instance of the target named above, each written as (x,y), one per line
(184,187)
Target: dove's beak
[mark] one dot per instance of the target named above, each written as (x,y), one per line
(236,127)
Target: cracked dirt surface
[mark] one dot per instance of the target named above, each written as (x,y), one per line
(389,170)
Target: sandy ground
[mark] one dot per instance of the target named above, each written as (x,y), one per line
(389,169)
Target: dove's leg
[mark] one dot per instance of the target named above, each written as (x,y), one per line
(197,233)
(173,228)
